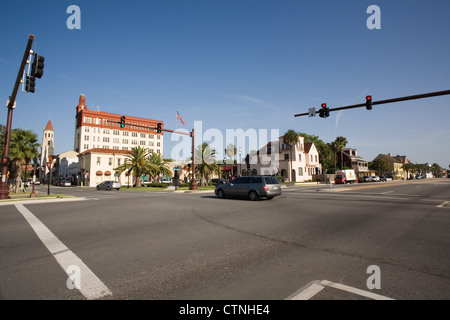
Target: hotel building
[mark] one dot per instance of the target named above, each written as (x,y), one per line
(103,145)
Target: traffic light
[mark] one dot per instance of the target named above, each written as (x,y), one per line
(369,102)
(37,68)
(158,127)
(122,121)
(29,84)
(5,161)
(324,111)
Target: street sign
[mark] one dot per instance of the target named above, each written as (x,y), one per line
(312,112)
(176,168)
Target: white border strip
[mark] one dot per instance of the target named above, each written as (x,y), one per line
(90,285)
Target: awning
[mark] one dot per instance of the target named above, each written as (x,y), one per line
(99,173)
(107,173)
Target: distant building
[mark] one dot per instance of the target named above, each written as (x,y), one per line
(355,162)
(102,144)
(47,149)
(305,161)
(395,166)
(68,165)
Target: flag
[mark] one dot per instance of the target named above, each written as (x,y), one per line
(181,119)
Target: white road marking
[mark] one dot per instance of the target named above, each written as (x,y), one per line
(318,286)
(443,204)
(387,192)
(90,286)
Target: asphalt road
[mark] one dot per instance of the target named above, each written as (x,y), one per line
(312,242)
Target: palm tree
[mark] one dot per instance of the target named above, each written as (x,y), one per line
(208,166)
(340,144)
(160,166)
(23,148)
(136,163)
(290,138)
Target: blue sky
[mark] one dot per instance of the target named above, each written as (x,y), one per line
(239,64)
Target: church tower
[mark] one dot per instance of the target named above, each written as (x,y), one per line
(47,147)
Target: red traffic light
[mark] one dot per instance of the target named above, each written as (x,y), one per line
(324,105)
(368,98)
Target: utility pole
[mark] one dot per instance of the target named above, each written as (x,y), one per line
(4,192)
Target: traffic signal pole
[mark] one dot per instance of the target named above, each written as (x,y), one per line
(413,97)
(4,192)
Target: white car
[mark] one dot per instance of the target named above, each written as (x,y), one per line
(376,179)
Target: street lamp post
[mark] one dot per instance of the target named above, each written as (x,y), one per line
(33,191)
(240,152)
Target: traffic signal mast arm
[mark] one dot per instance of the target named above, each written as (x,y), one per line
(155,128)
(413,97)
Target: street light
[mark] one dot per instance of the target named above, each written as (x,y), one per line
(240,151)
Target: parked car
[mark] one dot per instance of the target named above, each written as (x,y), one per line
(367,179)
(376,179)
(218,181)
(108,185)
(66,183)
(253,187)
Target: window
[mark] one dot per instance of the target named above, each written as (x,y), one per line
(311,158)
(118,162)
(151,136)
(125,141)
(125,133)
(105,139)
(98,160)
(116,140)
(86,146)
(286,156)
(134,134)
(110,161)
(86,138)
(143,135)
(150,143)
(158,144)
(300,171)
(134,142)
(86,129)
(299,157)
(316,157)
(116,132)
(106,131)
(142,143)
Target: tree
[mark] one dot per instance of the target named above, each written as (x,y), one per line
(136,163)
(380,164)
(208,166)
(290,138)
(340,144)
(436,169)
(158,165)
(23,148)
